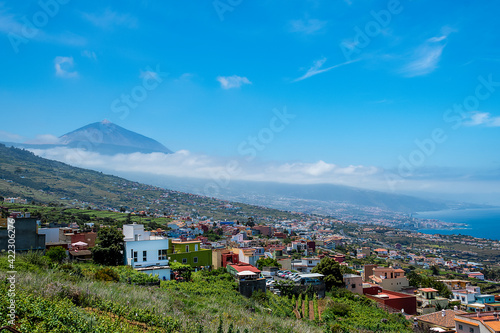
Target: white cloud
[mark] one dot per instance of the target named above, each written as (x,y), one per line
(307,26)
(64,67)
(477,118)
(187,164)
(426,57)
(426,61)
(109,19)
(10,137)
(235,81)
(316,69)
(44,139)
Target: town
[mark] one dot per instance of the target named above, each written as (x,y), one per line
(438,283)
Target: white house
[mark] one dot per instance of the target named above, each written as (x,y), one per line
(466,296)
(305,265)
(145,253)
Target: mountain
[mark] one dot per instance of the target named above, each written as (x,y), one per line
(104,138)
(25,175)
(108,138)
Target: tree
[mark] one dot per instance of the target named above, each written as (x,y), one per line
(56,254)
(267,262)
(434,270)
(109,248)
(250,222)
(332,272)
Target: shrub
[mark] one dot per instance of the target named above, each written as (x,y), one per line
(338,309)
(107,274)
(56,254)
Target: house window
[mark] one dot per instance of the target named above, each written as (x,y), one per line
(460,327)
(353,286)
(196,247)
(471,330)
(184,260)
(135,256)
(195,260)
(144,255)
(162,254)
(187,248)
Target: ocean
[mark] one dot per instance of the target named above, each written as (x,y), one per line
(483,223)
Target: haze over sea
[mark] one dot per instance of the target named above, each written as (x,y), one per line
(483,223)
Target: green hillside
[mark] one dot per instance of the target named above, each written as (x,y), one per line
(57,298)
(25,175)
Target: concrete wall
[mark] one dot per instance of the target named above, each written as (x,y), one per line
(51,234)
(26,238)
(196,259)
(162,273)
(394,284)
(247,288)
(354,284)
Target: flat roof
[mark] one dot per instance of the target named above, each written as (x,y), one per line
(186,242)
(244,267)
(311,275)
(149,268)
(348,276)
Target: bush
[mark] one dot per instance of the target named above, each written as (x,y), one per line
(107,274)
(56,254)
(338,309)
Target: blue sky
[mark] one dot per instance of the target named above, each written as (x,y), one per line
(363,80)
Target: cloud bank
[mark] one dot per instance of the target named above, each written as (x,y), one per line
(219,170)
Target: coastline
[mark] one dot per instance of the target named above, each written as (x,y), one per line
(476,222)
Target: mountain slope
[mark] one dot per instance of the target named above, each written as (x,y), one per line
(28,176)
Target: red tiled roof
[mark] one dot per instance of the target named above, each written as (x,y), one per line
(428,289)
(437,318)
(240,267)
